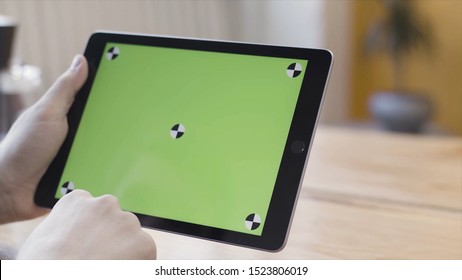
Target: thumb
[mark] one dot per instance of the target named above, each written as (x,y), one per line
(62,92)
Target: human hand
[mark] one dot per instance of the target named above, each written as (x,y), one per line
(83,227)
(33,142)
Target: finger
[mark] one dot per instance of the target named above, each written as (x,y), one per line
(150,246)
(62,92)
(76,194)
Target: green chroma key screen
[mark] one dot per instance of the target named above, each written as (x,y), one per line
(187,135)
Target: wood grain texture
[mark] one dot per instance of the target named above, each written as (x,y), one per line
(366,195)
(398,168)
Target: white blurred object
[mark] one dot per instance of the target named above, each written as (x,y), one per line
(19,87)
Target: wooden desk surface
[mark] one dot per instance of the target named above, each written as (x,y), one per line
(366,195)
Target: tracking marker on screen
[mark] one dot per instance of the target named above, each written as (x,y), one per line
(112,53)
(294,70)
(253,221)
(67,188)
(177,131)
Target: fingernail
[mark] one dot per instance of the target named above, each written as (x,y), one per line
(76,62)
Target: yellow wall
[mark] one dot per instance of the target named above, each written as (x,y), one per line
(437,74)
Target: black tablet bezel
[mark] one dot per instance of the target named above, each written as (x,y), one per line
(290,174)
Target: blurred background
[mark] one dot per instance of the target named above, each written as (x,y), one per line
(378,54)
(397,67)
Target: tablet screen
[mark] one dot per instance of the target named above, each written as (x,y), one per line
(187,135)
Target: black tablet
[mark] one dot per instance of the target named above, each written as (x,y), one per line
(204,138)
